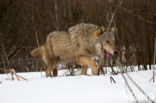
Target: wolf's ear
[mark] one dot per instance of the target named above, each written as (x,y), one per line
(113,29)
(100,30)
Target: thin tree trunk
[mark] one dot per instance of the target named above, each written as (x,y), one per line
(154,61)
(5,54)
(56,14)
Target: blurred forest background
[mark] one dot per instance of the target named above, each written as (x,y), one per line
(25,24)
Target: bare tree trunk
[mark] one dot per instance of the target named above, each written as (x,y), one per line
(56,14)
(154,61)
(4,64)
(5,54)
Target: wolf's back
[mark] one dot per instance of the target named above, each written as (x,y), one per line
(37,52)
(83,27)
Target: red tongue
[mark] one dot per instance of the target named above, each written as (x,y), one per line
(109,57)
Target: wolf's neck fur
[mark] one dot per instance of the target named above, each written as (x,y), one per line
(82,34)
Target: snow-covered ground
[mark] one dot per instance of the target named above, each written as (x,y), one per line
(74,89)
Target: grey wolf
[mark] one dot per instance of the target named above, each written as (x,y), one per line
(79,44)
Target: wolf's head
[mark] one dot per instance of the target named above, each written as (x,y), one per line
(105,42)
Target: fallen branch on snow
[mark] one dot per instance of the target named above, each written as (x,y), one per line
(136,85)
(13,73)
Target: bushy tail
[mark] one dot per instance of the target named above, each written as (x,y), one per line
(37,52)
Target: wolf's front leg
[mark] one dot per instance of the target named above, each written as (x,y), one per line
(84,70)
(48,73)
(88,61)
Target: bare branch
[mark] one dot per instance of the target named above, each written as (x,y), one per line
(139,88)
(18,47)
(37,41)
(116,9)
(138,16)
(13,72)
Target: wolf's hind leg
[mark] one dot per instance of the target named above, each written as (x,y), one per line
(49,66)
(49,70)
(88,61)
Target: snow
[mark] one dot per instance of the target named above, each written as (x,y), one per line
(74,89)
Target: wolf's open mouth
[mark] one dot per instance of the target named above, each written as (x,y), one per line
(108,55)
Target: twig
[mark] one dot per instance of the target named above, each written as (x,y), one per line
(153,75)
(112,79)
(140,89)
(13,72)
(130,89)
(23,78)
(37,41)
(116,9)
(126,82)
(113,71)
(101,59)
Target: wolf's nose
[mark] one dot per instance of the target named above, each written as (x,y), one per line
(115,52)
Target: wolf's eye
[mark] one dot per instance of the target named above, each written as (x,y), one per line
(107,41)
